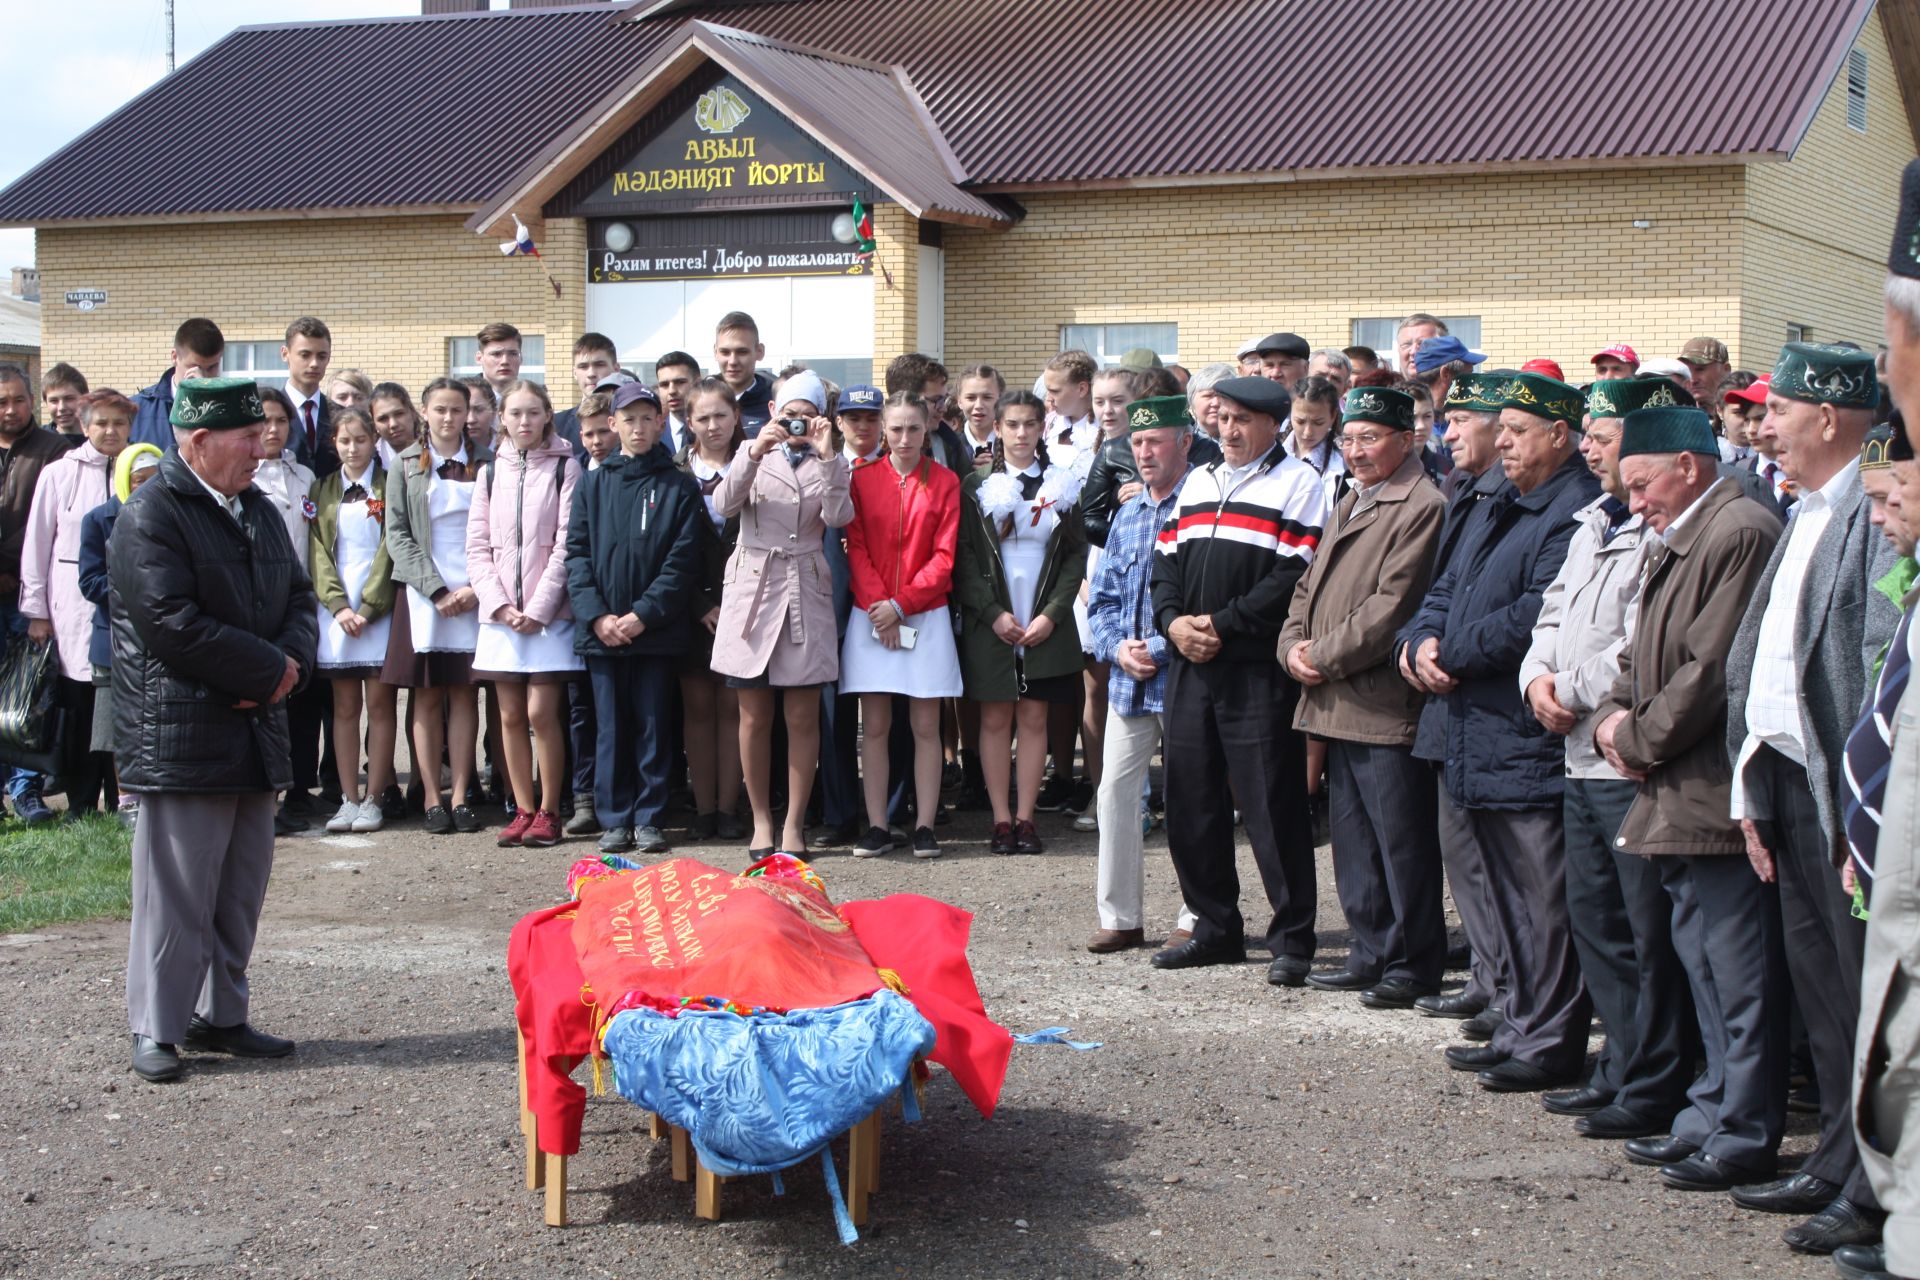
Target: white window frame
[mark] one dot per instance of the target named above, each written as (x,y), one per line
(1361,328)
(1110,342)
(257,360)
(463,357)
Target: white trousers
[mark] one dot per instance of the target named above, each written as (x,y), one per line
(1130,744)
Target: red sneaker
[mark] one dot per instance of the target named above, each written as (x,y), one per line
(543,831)
(511,837)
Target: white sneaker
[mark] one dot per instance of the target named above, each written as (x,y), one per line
(1087,821)
(345,817)
(367,815)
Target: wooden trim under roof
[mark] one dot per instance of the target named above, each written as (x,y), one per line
(1900,19)
(550,171)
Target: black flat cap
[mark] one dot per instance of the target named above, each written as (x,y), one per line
(1284,344)
(1262,395)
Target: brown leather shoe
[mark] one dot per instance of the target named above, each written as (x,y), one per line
(1179,937)
(1116,940)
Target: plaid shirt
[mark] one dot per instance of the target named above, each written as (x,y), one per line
(1119,605)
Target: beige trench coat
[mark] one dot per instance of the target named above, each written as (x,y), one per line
(776,600)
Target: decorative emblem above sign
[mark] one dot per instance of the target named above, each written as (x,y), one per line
(729,150)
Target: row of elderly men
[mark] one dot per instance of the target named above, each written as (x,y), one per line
(1626,692)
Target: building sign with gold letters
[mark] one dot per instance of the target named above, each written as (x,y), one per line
(731,150)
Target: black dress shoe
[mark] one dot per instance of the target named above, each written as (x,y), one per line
(1394,993)
(1621,1122)
(1454,1006)
(1289,971)
(1517,1076)
(1584,1101)
(1482,1025)
(1474,1057)
(1800,1193)
(156,1062)
(241,1040)
(1862,1262)
(1194,953)
(1659,1152)
(1340,980)
(1702,1172)
(1842,1222)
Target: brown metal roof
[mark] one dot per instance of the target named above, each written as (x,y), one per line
(442,112)
(867,114)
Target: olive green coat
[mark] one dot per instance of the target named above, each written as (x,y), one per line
(980,591)
(377,598)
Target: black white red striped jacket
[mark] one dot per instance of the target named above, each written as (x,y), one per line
(1237,553)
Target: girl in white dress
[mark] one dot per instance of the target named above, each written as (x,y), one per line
(517,554)
(353,578)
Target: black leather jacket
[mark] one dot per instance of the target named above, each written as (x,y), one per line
(205,613)
(1113,469)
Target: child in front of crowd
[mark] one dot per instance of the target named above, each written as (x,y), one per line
(600,442)
(633,563)
(516,551)
(353,579)
(50,595)
(136,465)
(430,645)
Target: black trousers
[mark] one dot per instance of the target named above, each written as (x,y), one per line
(85,774)
(1229,734)
(633,700)
(1548,1012)
(310,735)
(1826,948)
(839,776)
(1386,861)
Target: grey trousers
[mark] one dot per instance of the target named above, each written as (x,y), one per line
(1548,1013)
(1488,981)
(1386,862)
(1726,929)
(200,867)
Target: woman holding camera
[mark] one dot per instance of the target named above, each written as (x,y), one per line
(785,489)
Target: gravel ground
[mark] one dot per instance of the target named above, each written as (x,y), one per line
(1227,1128)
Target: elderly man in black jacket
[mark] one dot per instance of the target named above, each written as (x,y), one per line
(1501,767)
(214,624)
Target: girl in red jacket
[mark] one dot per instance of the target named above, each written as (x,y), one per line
(900,558)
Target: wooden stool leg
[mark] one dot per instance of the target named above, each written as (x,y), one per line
(860,1154)
(682,1148)
(656,1127)
(873,1151)
(556,1171)
(529,1126)
(706,1191)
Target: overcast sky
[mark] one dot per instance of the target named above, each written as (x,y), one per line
(72,63)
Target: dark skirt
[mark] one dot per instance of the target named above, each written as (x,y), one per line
(1052,689)
(410,670)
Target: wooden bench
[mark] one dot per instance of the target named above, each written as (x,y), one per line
(547,1171)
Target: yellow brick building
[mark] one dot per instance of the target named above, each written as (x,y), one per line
(1555,257)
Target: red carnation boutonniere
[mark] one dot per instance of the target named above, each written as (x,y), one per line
(307,508)
(377,510)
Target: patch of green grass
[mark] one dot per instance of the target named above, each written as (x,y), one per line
(64,871)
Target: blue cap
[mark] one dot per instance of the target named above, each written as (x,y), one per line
(1434,352)
(861,397)
(633,393)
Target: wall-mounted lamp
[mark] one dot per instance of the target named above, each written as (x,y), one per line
(1643,224)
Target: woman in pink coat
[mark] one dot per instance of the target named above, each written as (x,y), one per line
(517,556)
(72,485)
(777,626)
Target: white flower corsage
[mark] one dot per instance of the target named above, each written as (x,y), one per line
(999,497)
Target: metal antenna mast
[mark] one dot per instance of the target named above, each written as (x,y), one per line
(169,37)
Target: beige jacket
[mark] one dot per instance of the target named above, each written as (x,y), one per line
(1366,581)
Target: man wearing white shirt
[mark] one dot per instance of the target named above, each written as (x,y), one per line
(673,377)
(1796,678)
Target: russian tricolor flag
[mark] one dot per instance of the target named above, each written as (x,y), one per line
(522,242)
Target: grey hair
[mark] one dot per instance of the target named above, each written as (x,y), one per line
(180,435)
(1903,295)
(1333,356)
(1209,377)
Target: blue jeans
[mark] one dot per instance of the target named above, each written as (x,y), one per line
(20,783)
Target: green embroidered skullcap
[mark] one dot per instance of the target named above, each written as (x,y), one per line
(1380,405)
(1159,411)
(218,404)
(1618,397)
(1820,373)
(1543,397)
(1667,429)
(1479,392)
(1876,452)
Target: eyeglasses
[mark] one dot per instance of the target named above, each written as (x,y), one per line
(1365,440)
